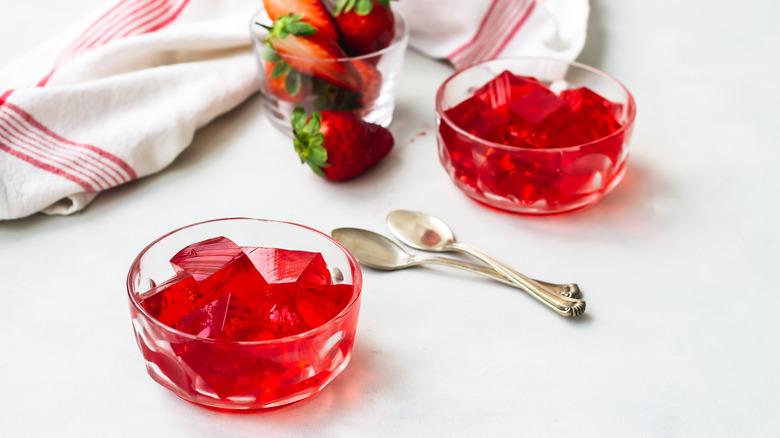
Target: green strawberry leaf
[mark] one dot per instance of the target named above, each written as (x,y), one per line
(344,6)
(308,141)
(292,83)
(312,126)
(298,119)
(364,7)
(270,56)
(288,25)
(280,69)
(317,169)
(318,156)
(295,26)
(361,7)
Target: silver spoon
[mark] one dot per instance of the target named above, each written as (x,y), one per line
(379,252)
(428,233)
(401,221)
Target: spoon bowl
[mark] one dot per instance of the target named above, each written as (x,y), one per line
(372,249)
(420,230)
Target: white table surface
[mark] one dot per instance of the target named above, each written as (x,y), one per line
(678,264)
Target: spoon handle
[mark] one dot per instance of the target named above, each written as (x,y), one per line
(562,305)
(569,290)
(491,273)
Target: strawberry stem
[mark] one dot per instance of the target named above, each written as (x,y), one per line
(286,25)
(361,7)
(308,141)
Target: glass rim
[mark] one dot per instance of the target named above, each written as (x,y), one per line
(398,41)
(440,112)
(357,285)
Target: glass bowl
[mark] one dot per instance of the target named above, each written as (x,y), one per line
(373,101)
(241,375)
(524,136)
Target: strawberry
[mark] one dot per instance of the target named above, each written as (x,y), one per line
(311,53)
(285,83)
(338,145)
(365,26)
(313,11)
(371,80)
(331,97)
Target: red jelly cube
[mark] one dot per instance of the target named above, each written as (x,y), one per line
(280,312)
(537,105)
(587,174)
(508,174)
(243,323)
(284,266)
(505,89)
(170,301)
(590,118)
(204,258)
(221,267)
(207,321)
(524,103)
(585,98)
(475,117)
(228,372)
(232,298)
(318,304)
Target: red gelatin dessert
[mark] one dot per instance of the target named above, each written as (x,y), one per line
(250,327)
(223,291)
(516,144)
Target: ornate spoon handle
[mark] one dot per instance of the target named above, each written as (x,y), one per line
(562,305)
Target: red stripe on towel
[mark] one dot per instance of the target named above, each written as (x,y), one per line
(24,141)
(518,24)
(501,22)
(107,157)
(126,18)
(121,15)
(91,167)
(24,137)
(4,96)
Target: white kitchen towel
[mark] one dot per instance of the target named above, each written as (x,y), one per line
(466,32)
(119,95)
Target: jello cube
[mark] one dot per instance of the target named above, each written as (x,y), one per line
(204,258)
(537,105)
(207,321)
(170,301)
(272,317)
(277,317)
(584,98)
(280,312)
(511,176)
(243,323)
(505,89)
(222,268)
(318,304)
(591,117)
(587,174)
(227,372)
(475,117)
(278,265)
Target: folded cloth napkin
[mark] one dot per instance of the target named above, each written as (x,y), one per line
(465,32)
(119,95)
